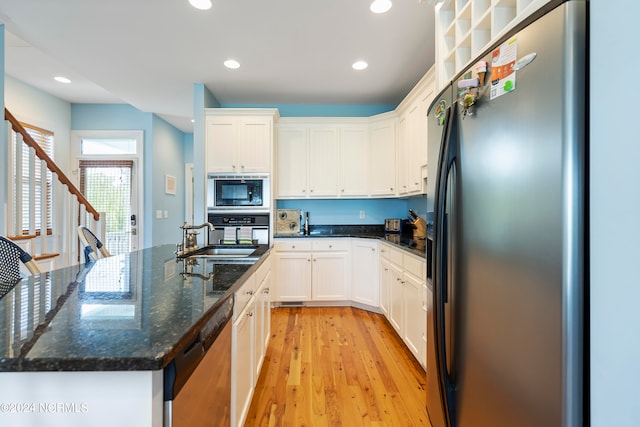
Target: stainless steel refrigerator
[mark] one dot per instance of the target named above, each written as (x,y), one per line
(507,282)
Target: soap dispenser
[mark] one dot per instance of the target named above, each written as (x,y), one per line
(306,223)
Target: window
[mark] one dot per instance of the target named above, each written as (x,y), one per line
(44,139)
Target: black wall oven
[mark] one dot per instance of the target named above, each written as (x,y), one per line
(238,193)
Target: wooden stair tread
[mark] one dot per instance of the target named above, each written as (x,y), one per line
(22,237)
(45,256)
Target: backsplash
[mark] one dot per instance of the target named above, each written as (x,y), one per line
(347,211)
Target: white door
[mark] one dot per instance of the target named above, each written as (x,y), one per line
(109,174)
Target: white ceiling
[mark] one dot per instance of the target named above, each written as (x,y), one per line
(149,53)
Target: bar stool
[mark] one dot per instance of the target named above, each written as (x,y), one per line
(93,247)
(10,257)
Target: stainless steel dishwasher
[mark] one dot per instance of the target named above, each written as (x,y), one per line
(197,382)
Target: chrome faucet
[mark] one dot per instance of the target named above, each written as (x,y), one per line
(189,241)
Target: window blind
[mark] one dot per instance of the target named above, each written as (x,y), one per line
(45,139)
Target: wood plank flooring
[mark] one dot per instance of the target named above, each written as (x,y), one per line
(337,366)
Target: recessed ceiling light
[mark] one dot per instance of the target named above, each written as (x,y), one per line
(201,4)
(380,6)
(61,79)
(231,63)
(359,65)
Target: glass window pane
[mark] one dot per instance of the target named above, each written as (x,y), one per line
(108,146)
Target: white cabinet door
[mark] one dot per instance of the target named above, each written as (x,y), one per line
(364,272)
(416,146)
(254,145)
(423,342)
(221,135)
(403,144)
(323,161)
(266,321)
(354,162)
(238,143)
(382,145)
(385,287)
(292,162)
(330,276)
(395,307)
(414,318)
(242,364)
(293,273)
(262,323)
(258,341)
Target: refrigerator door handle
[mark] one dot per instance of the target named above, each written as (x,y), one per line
(448,155)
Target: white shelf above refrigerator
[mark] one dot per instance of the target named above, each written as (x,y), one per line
(465,28)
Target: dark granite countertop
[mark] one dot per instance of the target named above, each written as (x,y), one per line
(374,231)
(132,311)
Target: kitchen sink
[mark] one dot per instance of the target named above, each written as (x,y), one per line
(230,251)
(225,252)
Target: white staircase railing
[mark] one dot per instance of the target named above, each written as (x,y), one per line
(53,245)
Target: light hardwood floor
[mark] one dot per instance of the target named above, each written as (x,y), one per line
(337,366)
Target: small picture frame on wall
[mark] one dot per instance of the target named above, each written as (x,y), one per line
(170,184)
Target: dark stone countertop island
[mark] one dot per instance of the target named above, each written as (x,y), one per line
(128,312)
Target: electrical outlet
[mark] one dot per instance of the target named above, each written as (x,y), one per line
(166,214)
(158,214)
(362,215)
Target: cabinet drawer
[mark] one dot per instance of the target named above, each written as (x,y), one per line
(415,266)
(330,245)
(262,271)
(395,255)
(385,250)
(295,245)
(243,295)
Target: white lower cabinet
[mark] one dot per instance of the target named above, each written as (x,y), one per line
(403,289)
(385,286)
(293,270)
(412,311)
(365,280)
(262,319)
(242,355)
(329,276)
(312,270)
(250,336)
(395,310)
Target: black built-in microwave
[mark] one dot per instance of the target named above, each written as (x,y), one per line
(248,192)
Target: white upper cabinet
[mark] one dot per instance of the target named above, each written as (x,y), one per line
(382,154)
(322,158)
(354,161)
(291,162)
(239,140)
(412,136)
(323,161)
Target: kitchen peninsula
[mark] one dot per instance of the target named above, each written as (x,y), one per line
(91,344)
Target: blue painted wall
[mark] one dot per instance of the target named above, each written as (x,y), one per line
(163,154)
(168,159)
(337,110)
(347,211)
